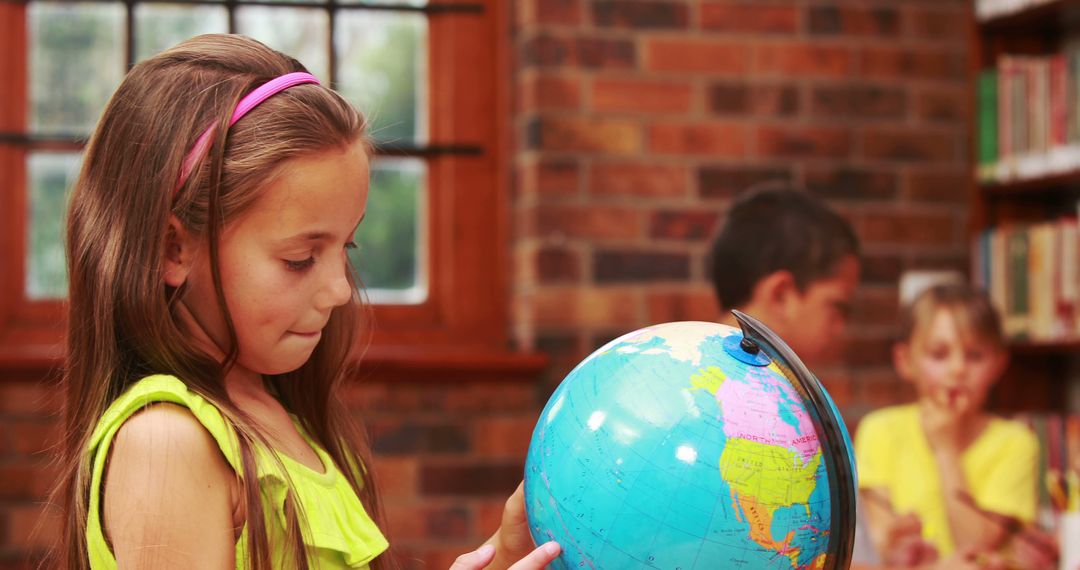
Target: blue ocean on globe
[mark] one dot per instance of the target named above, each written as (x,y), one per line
(663,450)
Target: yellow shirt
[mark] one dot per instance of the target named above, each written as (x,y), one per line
(335,527)
(1000,469)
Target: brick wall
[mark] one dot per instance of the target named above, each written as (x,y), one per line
(636,122)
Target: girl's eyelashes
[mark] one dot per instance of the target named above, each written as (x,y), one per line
(303,264)
(299,265)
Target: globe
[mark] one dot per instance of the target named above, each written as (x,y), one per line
(692,445)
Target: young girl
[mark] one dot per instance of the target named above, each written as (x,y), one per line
(941,478)
(212,311)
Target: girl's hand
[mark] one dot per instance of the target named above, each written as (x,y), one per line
(485,555)
(904,543)
(512,545)
(1033,549)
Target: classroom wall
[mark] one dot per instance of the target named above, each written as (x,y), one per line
(634,123)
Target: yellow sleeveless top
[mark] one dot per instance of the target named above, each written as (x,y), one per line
(336,528)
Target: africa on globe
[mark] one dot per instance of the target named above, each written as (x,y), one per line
(692,445)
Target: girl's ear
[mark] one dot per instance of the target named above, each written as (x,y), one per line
(901,354)
(179,253)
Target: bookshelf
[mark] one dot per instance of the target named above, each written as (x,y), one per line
(1026,191)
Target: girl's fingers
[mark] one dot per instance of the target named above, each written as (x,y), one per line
(476,559)
(539,558)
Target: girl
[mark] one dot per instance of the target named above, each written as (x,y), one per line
(212,311)
(942,478)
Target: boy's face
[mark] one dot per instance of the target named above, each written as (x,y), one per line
(814,319)
(950,370)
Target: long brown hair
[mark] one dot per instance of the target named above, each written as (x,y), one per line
(122,325)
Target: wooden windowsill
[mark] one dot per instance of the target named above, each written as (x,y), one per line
(382,363)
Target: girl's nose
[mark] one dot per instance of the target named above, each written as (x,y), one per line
(336,291)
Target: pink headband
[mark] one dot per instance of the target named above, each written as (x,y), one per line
(249,102)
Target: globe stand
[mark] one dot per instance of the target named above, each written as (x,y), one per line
(826,418)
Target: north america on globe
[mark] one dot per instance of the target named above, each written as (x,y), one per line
(662,450)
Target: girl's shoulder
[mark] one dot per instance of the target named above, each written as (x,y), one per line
(197,413)
(1015,434)
(156,445)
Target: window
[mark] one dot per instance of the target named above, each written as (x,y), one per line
(424,73)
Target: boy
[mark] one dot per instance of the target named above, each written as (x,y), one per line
(787,259)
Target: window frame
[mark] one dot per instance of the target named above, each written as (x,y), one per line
(465,311)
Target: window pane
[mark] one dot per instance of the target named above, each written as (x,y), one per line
(51,175)
(299,32)
(161,26)
(382,69)
(390,258)
(76,62)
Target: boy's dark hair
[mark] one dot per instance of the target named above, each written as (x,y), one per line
(772,228)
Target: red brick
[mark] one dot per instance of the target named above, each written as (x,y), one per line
(33,526)
(876,306)
(589,222)
(549,12)
(640,96)
(940,259)
(859,101)
(685,304)
(881,268)
(491,479)
(575,307)
(35,437)
(586,135)
(687,225)
(447,523)
(397,476)
(948,186)
(882,392)
(865,21)
(868,350)
(405,522)
(840,388)
(740,98)
(936,22)
(696,55)
(911,145)
(548,91)
(482,397)
(557,265)
(803,142)
(640,14)
(29,399)
(908,228)
(503,437)
(727,181)
(750,17)
(640,179)
(489,515)
(804,59)
(912,63)
(944,105)
(605,53)
(549,50)
(726,140)
(622,266)
(549,177)
(852,183)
